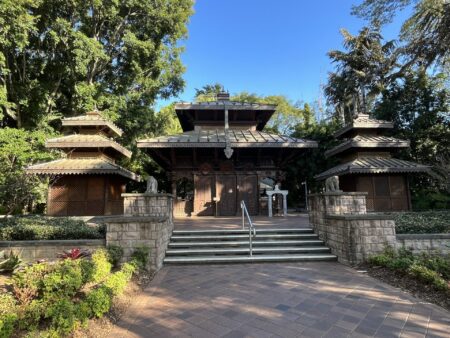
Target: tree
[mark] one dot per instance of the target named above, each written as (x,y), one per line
(362,72)
(208,92)
(426,33)
(67,57)
(19,148)
(419,107)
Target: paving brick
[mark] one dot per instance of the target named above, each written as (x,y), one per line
(277,300)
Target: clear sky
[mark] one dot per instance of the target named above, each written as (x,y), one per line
(267,47)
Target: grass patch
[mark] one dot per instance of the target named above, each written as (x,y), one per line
(47,228)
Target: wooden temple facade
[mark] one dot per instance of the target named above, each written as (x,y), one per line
(206,179)
(367,164)
(87,182)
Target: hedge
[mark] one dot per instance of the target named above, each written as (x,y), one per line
(424,222)
(47,228)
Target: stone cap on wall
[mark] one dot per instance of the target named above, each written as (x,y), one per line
(423,236)
(370,216)
(339,193)
(147,194)
(54,242)
(135,219)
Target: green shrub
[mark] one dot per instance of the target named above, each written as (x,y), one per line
(63,316)
(400,263)
(47,228)
(31,314)
(380,260)
(141,255)
(28,282)
(428,276)
(436,263)
(101,265)
(99,301)
(115,254)
(64,281)
(8,316)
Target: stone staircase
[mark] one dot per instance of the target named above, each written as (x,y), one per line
(232,246)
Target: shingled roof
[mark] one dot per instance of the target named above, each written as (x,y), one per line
(87,141)
(77,166)
(363,141)
(91,119)
(216,138)
(373,165)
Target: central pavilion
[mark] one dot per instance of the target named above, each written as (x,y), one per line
(223,156)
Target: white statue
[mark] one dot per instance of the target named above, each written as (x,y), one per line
(152,185)
(332,183)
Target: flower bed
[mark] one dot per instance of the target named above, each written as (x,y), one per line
(425,275)
(47,228)
(424,222)
(56,298)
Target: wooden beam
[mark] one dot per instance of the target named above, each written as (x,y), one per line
(163,158)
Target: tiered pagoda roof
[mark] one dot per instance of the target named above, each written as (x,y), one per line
(216,138)
(365,150)
(90,151)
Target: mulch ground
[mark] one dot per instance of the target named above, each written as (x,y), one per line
(410,284)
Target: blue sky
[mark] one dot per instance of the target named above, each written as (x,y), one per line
(267,47)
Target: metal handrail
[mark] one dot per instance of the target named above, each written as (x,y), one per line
(251,227)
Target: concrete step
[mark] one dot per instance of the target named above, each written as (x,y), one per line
(249,259)
(246,250)
(256,243)
(240,231)
(259,236)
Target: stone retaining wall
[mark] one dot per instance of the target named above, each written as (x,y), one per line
(354,238)
(34,250)
(341,220)
(425,243)
(130,232)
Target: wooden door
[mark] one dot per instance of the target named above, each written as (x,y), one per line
(203,195)
(248,192)
(226,192)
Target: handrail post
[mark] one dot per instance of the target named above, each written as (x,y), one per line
(243,216)
(251,228)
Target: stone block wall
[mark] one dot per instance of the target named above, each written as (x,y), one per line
(425,243)
(354,238)
(148,204)
(130,232)
(340,219)
(31,251)
(333,203)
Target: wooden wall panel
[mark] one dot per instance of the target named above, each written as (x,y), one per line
(203,195)
(226,191)
(248,192)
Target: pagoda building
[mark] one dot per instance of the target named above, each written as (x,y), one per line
(223,157)
(88,181)
(367,164)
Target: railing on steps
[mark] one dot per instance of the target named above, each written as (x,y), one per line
(251,227)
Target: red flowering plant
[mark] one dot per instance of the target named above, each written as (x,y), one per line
(74,254)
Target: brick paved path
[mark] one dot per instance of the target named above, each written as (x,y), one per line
(277,300)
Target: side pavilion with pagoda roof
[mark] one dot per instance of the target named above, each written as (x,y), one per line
(367,164)
(88,181)
(223,156)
